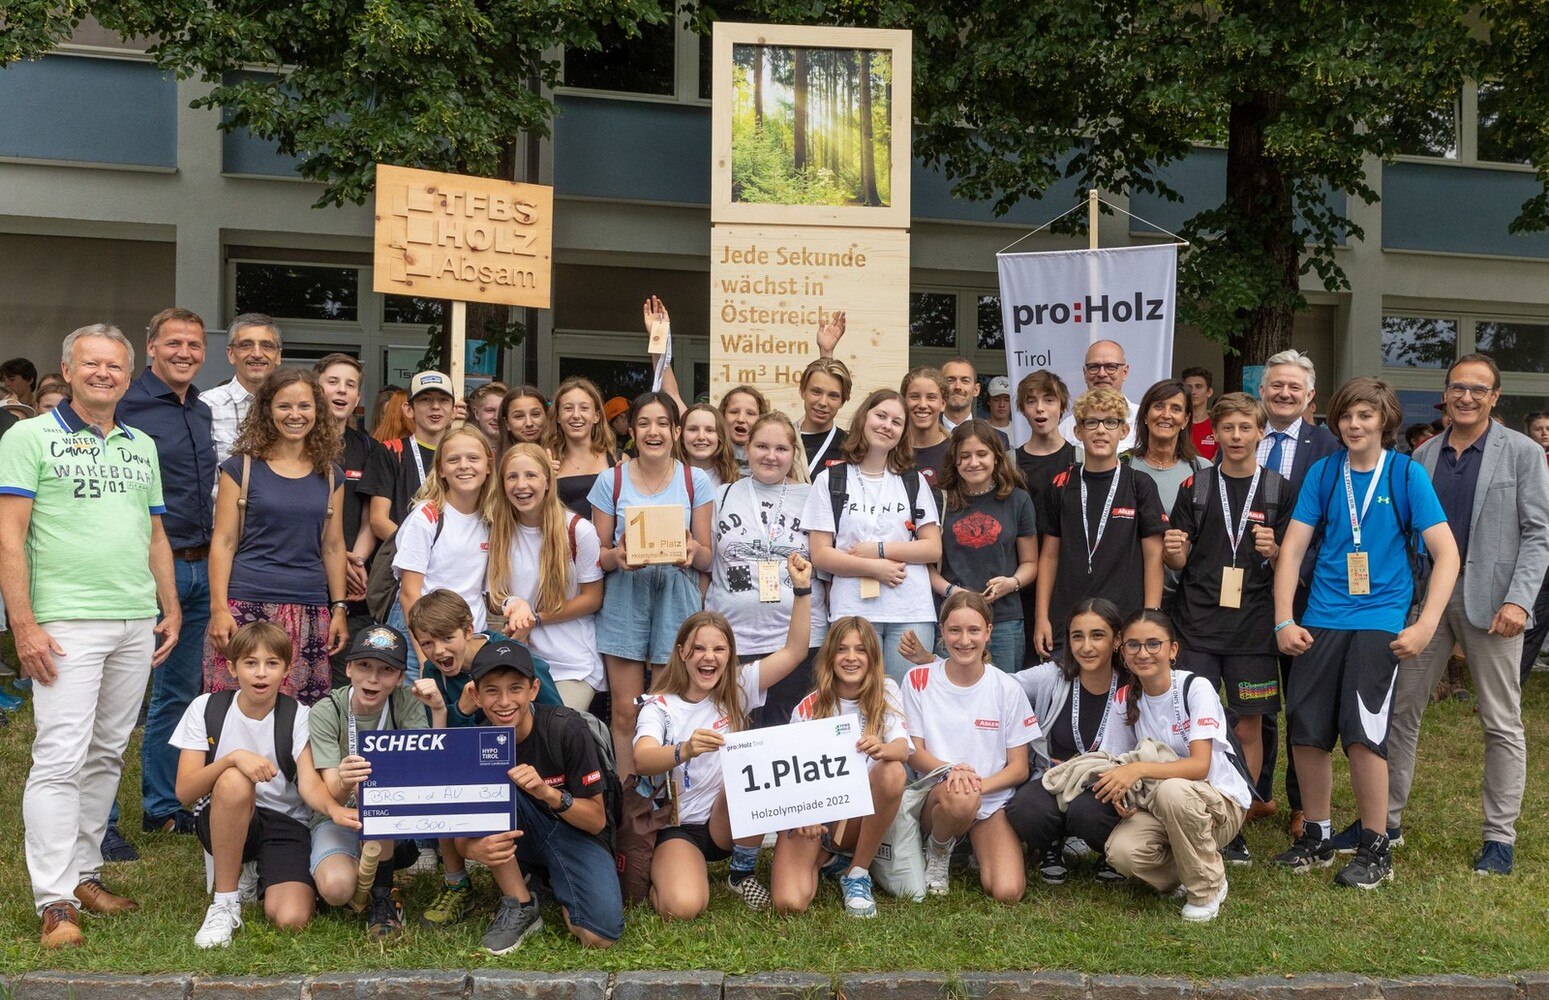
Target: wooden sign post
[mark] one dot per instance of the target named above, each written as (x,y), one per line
(465,239)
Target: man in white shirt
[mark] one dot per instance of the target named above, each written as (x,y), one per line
(253,348)
(962,390)
(1105,367)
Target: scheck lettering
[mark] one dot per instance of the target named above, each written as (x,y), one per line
(393,742)
(1134,308)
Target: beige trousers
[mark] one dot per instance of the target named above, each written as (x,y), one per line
(1179,839)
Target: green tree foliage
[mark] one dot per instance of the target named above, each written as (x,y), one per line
(1013,97)
(345,84)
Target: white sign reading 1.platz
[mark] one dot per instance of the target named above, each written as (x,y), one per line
(797,775)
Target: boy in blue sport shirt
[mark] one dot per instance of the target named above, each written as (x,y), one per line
(1354,508)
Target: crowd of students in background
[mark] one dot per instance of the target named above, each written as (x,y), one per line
(1072,633)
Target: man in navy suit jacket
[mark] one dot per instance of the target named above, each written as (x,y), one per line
(1291,445)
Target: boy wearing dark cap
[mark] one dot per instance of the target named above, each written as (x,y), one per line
(561,812)
(375,698)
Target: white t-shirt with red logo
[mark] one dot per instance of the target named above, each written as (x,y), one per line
(1165,718)
(670,718)
(457,560)
(893,725)
(972,725)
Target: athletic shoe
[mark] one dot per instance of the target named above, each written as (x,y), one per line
(938,867)
(858,900)
(1236,853)
(220,921)
(751,890)
(116,848)
(1106,874)
(247,883)
(514,922)
(1205,912)
(384,918)
(449,906)
(10,702)
(1076,849)
(836,867)
(426,862)
(1051,866)
(1372,865)
(1494,858)
(1307,853)
(1348,839)
(177,821)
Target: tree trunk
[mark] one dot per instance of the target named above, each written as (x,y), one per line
(869,194)
(758,87)
(1259,193)
(799,106)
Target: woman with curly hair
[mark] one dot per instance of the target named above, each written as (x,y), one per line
(277,552)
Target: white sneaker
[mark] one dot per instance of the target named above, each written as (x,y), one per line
(1200,913)
(426,862)
(247,884)
(938,866)
(220,921)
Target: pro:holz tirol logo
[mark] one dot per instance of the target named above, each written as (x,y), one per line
(1103,309)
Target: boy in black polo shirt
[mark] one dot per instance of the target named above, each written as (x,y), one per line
(561,811)
(1223,536)
(1101,524)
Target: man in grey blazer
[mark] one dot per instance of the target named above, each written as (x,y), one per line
(1493,486)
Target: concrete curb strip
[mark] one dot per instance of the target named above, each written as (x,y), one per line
(488,984)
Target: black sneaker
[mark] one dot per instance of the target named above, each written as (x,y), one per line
(1307,853)
(1106,874)
(115,847)
(384,918)
(178,821)
(1051,866)
(513,922)
(1372,865)
(1236,853)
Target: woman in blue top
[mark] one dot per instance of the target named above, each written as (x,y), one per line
(277,551)
(644,605)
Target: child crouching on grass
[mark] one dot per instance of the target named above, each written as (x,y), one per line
(561,811)
(374,699)
(246,772)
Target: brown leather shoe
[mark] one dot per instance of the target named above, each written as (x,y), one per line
(1297,825)
(61,927)
(1259,810)
(95,898)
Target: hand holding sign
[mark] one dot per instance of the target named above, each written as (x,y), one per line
(493,851)
(657,325)
(795,777)
(702,741)
(353,770)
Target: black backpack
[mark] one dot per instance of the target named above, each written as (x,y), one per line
(612,790)
(381,584)
(1204,485)
(1234,751)
(219,704)
(839,495)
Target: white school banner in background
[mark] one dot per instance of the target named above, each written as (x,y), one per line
(802,774)
(1056,305)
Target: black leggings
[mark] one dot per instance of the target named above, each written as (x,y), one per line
(1037,820)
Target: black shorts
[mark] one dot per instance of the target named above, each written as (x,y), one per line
(697,834)
(1252,682)
(280,844)
(1342,688)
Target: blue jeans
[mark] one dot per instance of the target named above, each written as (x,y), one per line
(889,634)
(1008,645)
(173,685)
(396,619)
(580,868)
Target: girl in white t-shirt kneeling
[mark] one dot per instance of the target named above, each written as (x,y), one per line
(700,695)
(965,714)
(848,678)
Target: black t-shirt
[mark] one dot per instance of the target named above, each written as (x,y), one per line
(1117,571)
(1202,623)
(980,542)
(810,443)
(571,763)
(1062,743)
(928,461)
(359,450)
(392,473)
(573,491)
(1040,470)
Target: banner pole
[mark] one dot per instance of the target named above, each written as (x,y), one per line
(1091,219)
(459,338)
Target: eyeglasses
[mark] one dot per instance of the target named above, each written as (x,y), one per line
(248,346)
(1092,423)
(1103,367)
(1460,389)
(1133,646)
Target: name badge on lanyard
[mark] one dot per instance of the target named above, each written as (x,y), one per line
(1102,522)
(1232,576)
(1357,568)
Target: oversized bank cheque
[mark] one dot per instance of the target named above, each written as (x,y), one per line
(437,783)
(802,774)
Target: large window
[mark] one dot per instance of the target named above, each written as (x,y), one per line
(1500,140)
(298,291)
(933,320)
(1418,341)
(992,332)
(639,64)
(1429,131)
(613,376)
(1516,347)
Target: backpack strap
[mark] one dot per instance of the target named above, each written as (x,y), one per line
(1274,496)
(1199,496)
(618,486)
(838,491)
(215,710)
(912,492)
(219,704)
(247,478)
(688,485)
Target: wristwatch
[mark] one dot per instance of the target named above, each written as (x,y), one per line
(566,800)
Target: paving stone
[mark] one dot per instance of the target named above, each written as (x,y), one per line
(668,985)
(490,983)
(1449,987)
(1139,988)
(779,986)
(1534,985)
(249,988)
(1310,986)
(896,986)
(1023,985)
(96,986)
(408,984)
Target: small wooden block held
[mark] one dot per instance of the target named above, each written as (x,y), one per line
(654,534)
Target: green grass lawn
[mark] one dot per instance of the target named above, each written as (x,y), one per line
(1436,917)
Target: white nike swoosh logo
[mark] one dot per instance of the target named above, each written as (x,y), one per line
(1379,717)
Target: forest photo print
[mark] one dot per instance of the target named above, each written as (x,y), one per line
(811,126)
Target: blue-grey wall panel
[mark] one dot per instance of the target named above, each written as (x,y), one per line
(1200,178)
(244,153)
(88,110)
(1456,210)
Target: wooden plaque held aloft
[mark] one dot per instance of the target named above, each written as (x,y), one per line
(654,534)
(470,239)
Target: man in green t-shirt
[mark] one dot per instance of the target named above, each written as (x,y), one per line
(84,567)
